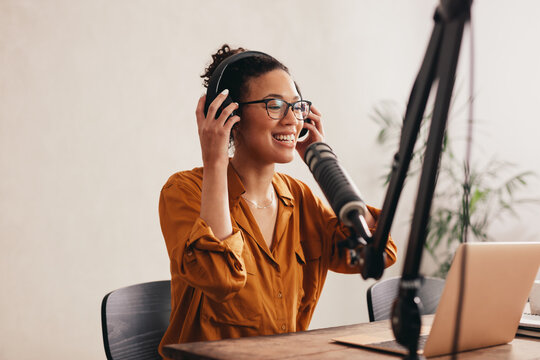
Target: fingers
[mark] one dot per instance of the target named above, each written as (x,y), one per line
(309,126)
(216,103)
(214,108)
(316,120)
(199,112)
(314,110)
(230,122)
(313,134)
(222,119)
(314,127)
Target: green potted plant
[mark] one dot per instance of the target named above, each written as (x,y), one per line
(493,185)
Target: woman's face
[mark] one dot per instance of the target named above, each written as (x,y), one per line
(259,136)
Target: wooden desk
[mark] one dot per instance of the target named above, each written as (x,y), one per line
(317,344)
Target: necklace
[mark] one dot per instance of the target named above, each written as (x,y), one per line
(259,206)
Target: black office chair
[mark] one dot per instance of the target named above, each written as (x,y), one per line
(381,296)
(134,319)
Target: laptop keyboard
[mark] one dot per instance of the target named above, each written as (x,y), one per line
(394,346)
(530,320)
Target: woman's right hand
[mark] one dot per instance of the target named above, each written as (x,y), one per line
(214,133)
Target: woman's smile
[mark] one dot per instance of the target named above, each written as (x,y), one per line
(287,139)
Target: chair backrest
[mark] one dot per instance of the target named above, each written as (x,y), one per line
(381,296)
(134,319)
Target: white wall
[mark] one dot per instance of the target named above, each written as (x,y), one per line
(97,104)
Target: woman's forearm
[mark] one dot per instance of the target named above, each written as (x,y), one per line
(215,200)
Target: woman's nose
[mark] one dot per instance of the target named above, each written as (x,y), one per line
(289,117)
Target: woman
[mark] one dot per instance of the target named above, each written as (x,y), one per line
(249,247)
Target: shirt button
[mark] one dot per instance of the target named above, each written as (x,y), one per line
(280,295)
(283,327)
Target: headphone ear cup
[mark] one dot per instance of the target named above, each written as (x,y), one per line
(303,132)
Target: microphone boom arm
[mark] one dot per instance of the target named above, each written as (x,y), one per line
(440,63)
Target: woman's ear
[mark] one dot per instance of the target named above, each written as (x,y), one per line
(238,113)
(235,134)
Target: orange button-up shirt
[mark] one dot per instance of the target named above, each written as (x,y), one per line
(238,286)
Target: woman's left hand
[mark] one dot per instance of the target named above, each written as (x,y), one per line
(315,134)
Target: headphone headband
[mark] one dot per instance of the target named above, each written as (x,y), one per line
(215,79)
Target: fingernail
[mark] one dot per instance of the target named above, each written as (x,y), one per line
(225,92)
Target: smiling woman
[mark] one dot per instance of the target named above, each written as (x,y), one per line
(249,247)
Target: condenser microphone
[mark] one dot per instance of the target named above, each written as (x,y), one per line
(337,186)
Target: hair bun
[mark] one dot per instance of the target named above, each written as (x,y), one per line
(224,52)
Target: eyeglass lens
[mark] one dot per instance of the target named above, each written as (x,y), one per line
(277,109)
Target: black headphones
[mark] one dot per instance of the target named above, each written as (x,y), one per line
(215,87)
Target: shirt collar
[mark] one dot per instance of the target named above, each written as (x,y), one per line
(282,190)
(236,188)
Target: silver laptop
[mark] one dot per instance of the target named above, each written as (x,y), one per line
(499,277)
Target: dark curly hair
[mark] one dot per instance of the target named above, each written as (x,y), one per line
(238,74)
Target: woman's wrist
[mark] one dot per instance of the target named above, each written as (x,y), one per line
(216,165)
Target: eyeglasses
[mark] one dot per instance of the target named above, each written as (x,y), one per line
(278,108)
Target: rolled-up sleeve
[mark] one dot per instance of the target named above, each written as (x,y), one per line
(340,263)
(197,256)
(391,248)
(330,231)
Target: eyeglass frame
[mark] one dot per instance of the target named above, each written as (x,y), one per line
(289,106)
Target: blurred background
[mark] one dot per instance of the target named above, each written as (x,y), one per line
(97,102)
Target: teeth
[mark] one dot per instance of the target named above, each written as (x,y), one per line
(281,137)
